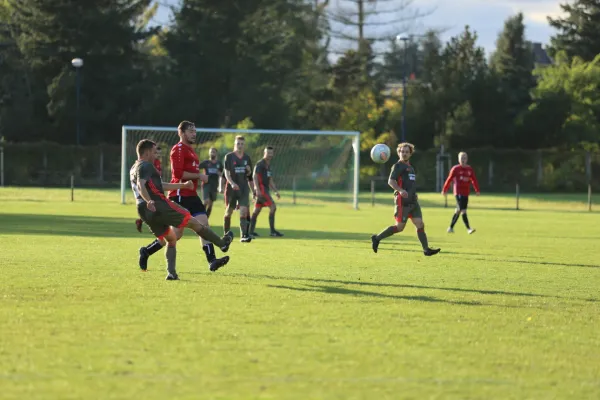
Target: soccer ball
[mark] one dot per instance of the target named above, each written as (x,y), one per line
(380,153)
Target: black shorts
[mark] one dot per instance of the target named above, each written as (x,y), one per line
(462,202)
(191,203)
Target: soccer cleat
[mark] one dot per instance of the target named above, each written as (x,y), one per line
(218,263)
(471,231)
(228,238)
(450,230)
(138,225)
(276,234)
(144,258)
(254,235)
(374,243)
(431,252)
(246,239)
(172,277)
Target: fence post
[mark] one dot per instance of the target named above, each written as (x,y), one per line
(518,194)
(1,165)
(589,197)
(294,190)
(45,170)
(72,187)
(491,173)
(540,169)
(101,174)
(588,166)
(373,192)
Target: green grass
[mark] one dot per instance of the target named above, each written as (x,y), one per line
(511,312)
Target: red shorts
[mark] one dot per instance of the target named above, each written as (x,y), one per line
(267,200)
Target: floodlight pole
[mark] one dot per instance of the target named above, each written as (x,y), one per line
(404,39)
(77,63)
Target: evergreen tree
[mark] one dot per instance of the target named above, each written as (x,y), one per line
(105,34)
(512,63)
(579,31)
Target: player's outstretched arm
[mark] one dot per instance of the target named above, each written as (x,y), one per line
(175,186)
(448,181)
(273,187)
(230,180)
(144,193)
(474,182)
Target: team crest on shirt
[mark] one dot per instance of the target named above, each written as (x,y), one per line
(412,177)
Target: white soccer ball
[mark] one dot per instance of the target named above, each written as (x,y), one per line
(380,153)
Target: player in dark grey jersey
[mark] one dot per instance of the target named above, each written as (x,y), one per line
(238,176)
(160,213)
(403,180)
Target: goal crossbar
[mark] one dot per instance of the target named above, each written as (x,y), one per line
(355,135)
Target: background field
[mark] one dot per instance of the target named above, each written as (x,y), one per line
(509,312)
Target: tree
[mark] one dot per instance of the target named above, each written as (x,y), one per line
(233,59)
(512,63)
(361,22)
(579,31)
(566,108)
(106,35)
(463,71)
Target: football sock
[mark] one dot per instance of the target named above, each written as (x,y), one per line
(248,223)
(226,224)
(170,255)
(387,232)
(466,221)
(211,236)
(153,247)
(272,221)
(209,250)
(253,221)
(208,210)
(243,226)
(454,219)
(423,238)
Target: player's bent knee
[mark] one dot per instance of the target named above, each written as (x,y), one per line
(463,212)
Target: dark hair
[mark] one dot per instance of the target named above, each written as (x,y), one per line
(213,148)
(269,148)
(185,125)
(143,146)
(240,137)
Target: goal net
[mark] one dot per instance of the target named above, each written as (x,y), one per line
(317,165)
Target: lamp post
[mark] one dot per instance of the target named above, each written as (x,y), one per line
(404,39)
(77,63)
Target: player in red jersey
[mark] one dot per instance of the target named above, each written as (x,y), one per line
(158,166)
(463,176)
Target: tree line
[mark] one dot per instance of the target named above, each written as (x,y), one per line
(270,62)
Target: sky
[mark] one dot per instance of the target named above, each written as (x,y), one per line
(486,17)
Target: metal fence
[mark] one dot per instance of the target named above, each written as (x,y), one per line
(53,165)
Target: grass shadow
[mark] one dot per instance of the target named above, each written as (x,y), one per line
(86,226)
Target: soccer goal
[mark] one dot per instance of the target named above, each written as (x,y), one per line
(321,165)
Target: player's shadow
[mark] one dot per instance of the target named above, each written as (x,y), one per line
(518,261)
(315,235)
(404,286)
(363,293)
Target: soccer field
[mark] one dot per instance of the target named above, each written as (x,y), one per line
(510,312)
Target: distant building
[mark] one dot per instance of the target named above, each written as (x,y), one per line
(540,56)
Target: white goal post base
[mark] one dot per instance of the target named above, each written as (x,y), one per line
(302,140)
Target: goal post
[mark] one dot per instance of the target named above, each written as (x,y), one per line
(311,161)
